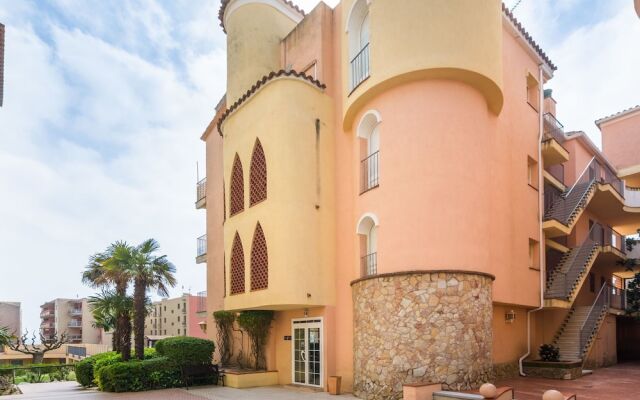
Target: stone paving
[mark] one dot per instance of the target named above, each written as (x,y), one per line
(72,391)
(620,382)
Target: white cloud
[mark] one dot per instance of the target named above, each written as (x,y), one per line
(98,143)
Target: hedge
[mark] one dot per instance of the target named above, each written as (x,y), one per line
(185,350)
(84,368)
(87,369)
(135,376)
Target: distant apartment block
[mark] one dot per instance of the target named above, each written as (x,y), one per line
(10,316)
(180,316)
(70,316)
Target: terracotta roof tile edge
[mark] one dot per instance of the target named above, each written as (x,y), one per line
(527,36)
(617,115)
(225,3)
(260,83)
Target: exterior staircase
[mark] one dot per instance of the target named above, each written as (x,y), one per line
(581,326)
(564,281)
(569,205)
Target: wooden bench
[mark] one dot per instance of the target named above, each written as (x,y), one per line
(202,373)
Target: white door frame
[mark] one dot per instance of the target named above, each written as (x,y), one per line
(312,322)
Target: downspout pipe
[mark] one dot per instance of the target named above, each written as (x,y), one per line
(540,216)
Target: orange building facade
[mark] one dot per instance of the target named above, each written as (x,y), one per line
(392,182)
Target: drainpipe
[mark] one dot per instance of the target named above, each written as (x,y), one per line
(540,217)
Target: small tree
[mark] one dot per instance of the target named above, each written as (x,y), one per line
(224,324)
(633,297)
(37,351)
(257,325)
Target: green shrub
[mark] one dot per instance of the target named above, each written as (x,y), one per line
(135,376)
(185,350)
(84,368)
(549,352)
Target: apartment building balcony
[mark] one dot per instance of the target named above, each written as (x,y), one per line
(47,314)
(553,137)
(75,338)
(201,305)
(360,67)
(369,172)
(75,312)
(201,250)
(201,194)
(74,324)
(598,189)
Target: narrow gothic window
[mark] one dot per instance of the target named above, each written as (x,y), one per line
(259,261)
(237,266)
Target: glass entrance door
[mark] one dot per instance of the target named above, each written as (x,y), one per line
(307,352)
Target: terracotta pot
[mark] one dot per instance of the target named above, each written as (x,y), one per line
(334,384)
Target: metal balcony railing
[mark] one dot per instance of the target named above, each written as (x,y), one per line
(607,236)
(360,67)
(591,323)
(75,312)
(369,264)
(618,299)
(202,302)
(201,189)
(553,128)
(369,172)
(202,246)
(74,324)
(75,338)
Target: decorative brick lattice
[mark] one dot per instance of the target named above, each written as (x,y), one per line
(236,202)
(259,261)
(257,175)
(237,266)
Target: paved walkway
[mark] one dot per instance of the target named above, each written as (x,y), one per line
(619,382)
(73,391)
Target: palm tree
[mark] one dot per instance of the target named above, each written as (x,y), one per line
(110,268)
(5,336)
(105,307)
(148,271)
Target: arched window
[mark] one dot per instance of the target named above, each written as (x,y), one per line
(369,130)
(368,231)
(259,260)
(358,31)
(237,266)
(236,201)
(257,175)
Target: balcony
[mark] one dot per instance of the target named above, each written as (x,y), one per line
(369,264)
(360,67)
(553,137)
(201,251)
(75,312)
(201,306)
(369,172)
(201,194)
(75,338)
(74,324)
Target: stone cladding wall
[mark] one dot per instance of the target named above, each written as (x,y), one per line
(418,327)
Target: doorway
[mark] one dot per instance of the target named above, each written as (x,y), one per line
(307,358)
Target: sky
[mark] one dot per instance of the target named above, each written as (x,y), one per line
(105,102)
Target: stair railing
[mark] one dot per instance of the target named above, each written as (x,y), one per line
(575,265)
(595,312)
(581,176)
(561,205)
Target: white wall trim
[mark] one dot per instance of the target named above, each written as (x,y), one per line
(371,216)
(360,128)
(277,4)
(353,6)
